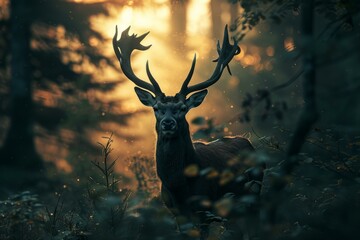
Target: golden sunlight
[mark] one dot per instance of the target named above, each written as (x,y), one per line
(198,18)
(169,62)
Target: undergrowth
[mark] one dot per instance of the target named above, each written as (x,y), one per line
(321,201)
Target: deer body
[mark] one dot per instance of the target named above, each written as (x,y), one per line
(174,156)
(175,151)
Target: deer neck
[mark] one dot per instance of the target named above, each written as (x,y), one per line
(173,155)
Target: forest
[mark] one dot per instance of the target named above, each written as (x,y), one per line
(79,151)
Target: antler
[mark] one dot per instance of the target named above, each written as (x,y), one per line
(226,53)
(123,49)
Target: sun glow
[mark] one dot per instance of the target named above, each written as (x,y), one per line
(169,60)
(198,18)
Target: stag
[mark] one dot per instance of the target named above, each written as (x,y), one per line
(191,173)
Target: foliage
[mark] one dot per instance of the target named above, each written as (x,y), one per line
(334,33)
(336,12)
(275,109)
(207,130)
(22,217)
(321,203)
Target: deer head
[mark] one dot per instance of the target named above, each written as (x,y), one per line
(170,111)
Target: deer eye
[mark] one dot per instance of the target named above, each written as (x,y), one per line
(183,108)
(156,109)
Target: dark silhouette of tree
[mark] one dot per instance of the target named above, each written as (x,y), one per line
(19,148)
(310,112)
(50,42)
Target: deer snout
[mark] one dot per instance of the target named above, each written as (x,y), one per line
(168,124)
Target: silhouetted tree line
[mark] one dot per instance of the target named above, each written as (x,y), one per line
(44,47)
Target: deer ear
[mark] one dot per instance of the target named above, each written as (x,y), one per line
(145,97)
(196,99)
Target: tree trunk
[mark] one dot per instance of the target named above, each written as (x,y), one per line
(309,114)
(178,22)
(18,149)
(217,26)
